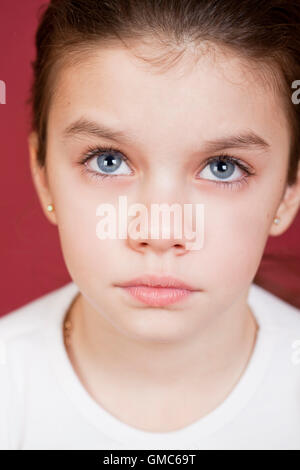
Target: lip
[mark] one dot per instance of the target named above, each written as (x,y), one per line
(152,280)
(156,290)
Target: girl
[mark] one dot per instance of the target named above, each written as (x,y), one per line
(155,344)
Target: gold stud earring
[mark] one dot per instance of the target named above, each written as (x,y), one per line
(50,208)
(276,220)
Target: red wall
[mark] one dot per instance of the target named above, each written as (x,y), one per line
(30,258)
(31,262)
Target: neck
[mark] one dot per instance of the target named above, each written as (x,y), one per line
(221,349)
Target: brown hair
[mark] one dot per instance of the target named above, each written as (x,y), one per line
(265,32)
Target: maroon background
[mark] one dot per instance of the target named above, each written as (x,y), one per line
(31,261)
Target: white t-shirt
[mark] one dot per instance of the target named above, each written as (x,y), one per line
(43,404)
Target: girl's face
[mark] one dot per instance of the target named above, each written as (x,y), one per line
(167,121)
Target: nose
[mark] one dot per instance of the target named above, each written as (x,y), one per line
(158,233)
(157,245)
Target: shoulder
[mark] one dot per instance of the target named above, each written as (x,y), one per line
(28,318)
(280,322)
(274,311)
(21,357)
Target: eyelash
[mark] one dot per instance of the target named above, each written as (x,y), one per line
(224,157)
(92,152)
(248,171)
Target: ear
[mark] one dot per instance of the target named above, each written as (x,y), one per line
(288,207)
(40,178)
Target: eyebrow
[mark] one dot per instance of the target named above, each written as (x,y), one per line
(245,139)
(91,128)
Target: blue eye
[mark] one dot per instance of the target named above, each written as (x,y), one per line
(221,169)
(226,171)
(109,162)
(106,162)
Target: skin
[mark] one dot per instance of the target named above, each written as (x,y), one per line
(187,356)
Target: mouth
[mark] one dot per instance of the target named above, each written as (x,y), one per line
(158,291)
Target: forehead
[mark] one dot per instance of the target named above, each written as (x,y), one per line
(218,93)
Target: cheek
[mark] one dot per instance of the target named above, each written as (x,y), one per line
(88,258)
(237,227)
(85,255)
(235,235)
